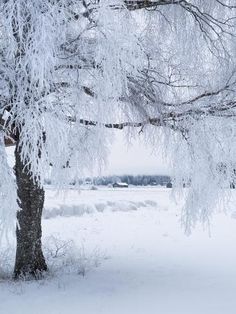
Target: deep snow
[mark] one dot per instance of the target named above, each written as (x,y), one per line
(123,251)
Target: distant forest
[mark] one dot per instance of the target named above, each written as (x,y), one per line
(142,180)
(130,179)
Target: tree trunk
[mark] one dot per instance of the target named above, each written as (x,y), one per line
(29,261)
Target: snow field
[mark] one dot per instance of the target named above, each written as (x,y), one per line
(128,261)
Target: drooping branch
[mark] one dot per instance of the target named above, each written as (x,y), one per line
(129,4)
(119,126)
(206,21)
(142,4)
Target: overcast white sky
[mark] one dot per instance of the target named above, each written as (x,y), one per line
(135,159)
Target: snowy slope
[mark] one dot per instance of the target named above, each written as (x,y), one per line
(131,257)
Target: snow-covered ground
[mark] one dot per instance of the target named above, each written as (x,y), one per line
(115,251)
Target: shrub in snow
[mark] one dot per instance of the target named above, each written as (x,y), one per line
(66,257)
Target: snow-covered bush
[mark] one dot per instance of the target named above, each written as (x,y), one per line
(67,257)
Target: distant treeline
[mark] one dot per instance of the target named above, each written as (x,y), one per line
(131,179)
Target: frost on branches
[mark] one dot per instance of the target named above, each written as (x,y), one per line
(72,70)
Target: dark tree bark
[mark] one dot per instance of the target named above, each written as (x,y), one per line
(30,261)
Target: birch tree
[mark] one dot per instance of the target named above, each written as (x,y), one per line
(71,70)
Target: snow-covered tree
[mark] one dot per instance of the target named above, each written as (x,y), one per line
(173,69)
(71,69)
